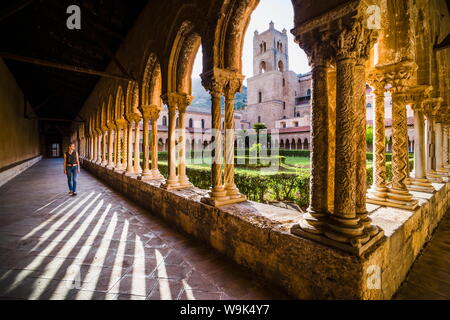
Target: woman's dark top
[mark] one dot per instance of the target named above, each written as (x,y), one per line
(71,158)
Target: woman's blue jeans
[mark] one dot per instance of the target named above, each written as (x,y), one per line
(72,173)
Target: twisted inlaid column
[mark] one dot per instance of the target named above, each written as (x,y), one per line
(118,147)
(378,190)
(129,146)
(124,145)
(361,148)
(232,87)
(398,193)
(137,141)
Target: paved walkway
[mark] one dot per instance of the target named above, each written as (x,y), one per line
(429,277)
(99,245)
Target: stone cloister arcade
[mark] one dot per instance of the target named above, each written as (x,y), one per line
(391,45)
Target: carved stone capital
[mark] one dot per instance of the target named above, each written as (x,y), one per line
(417,95)
(399,75)
(121,123)
(431,106)
(151,111)
(177,100)
(219,81)
(341,33)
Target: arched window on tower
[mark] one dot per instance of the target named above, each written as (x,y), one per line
(264,46)
(262,67)
(164,121)
(259,119)
(281,47)
(308,92)
(203,123)
(259,97)
(284,82)
(280,66)
(191,123)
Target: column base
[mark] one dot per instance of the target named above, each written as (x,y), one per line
(151,175)
(217,202)
(432,176)
(110,166)
(397,198)
(104,163)
(442,172)
(137,170)
(377,193)
(420,185)
(233,192)
(356,248)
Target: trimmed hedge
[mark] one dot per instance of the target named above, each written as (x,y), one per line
(279,187)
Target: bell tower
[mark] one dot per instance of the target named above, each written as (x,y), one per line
(270,51)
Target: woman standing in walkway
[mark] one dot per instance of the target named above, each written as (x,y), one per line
(71,168)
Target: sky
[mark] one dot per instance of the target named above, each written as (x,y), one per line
(282,14)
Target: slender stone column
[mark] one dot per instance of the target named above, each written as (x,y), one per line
(104,145)
(234,85)
(420,181)
(111,138)
(378,191)
(446,164)
(214,81)
(150,113)
(117,152)
(145,145)
(172,181)
(331,119)
(137,141)
(182,177)
(430,108)
(439,143)
(124,145)
(95,158)
(344,225)
(155,171)
(361,146)
(99,146)
(129,148)
(317,211)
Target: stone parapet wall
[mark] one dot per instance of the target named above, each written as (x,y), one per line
(257,236)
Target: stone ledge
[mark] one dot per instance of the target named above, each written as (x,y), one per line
(258,237)
(10,173)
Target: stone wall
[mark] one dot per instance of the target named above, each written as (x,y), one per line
(257,236)
(19,136)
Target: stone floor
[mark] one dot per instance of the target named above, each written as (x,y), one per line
(429,277)
(99,245)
